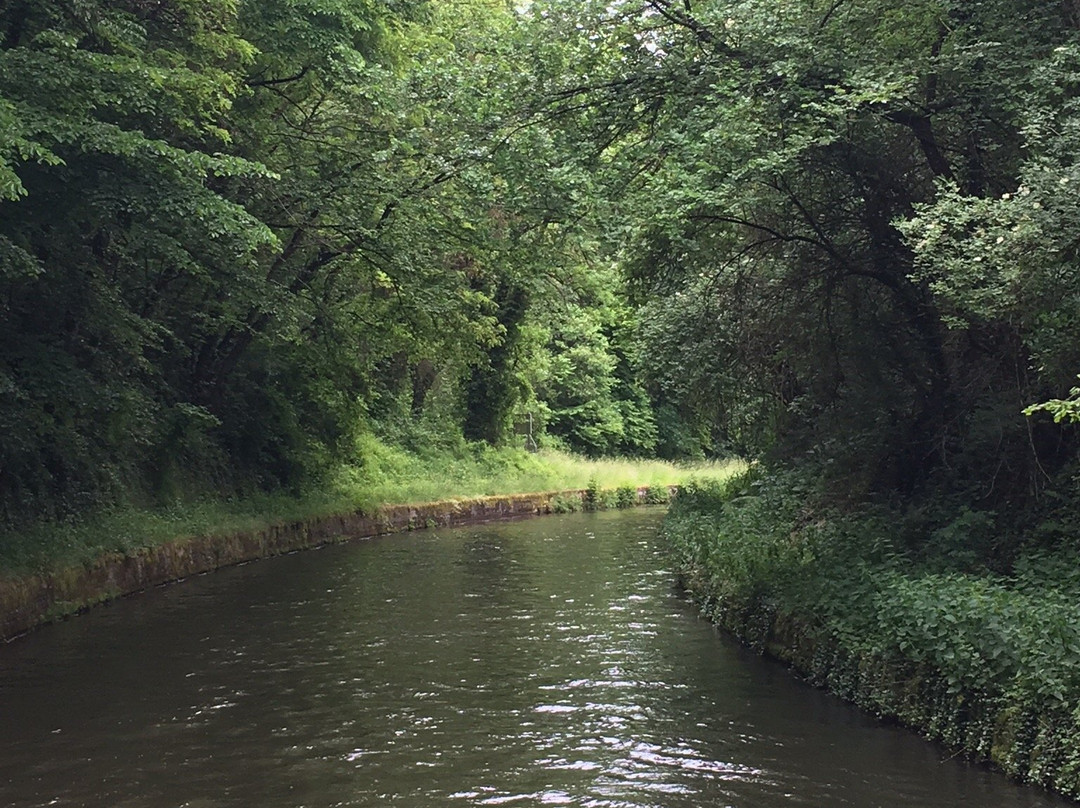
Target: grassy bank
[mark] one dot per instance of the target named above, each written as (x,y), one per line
(385,476)
(987,663)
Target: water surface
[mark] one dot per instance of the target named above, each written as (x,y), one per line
(546,662)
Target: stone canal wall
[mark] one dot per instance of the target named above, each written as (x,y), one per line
(1029,744)
(30,601)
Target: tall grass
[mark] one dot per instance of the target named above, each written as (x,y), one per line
(390,475)
(382,475)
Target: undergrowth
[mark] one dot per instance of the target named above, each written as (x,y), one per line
(982,659)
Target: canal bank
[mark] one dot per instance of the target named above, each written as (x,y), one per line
(1041,748)
(983,664)
(29,601)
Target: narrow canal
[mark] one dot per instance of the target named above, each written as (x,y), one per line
(546,662)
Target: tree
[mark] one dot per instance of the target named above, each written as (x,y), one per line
(111,168)
(763,157)
(583,371)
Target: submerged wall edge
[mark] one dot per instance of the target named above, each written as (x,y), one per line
(1027,744)
(30,601)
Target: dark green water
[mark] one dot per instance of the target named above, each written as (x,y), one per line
(547,662)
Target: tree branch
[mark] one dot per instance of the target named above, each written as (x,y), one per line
(284,80)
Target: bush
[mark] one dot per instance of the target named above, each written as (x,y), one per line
(626,496)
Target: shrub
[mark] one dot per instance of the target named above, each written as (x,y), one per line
(626,496)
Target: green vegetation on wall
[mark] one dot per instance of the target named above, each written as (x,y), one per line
(986,663)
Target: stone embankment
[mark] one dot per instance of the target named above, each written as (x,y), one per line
(30,601)
(1028,743)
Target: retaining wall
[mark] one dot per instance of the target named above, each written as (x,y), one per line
(1025,742)
(30,601)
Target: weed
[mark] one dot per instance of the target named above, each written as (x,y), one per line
(626,496)
(590,500)
(927,637)
(565,503)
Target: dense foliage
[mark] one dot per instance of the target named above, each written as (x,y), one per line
(851,230)
(986,663)
(236,236)
(849,233)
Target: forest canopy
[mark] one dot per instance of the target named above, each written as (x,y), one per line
(237,236)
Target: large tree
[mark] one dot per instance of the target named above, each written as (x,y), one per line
(766,157)
(111,172)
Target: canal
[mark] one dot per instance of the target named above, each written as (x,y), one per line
(544,662)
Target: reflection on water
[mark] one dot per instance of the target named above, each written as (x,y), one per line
(547,662)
